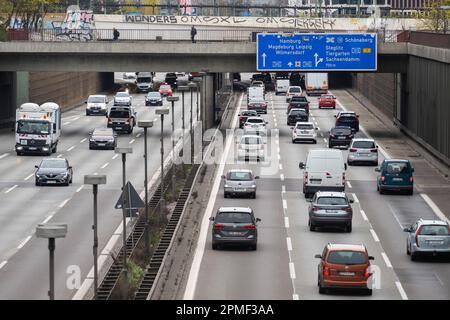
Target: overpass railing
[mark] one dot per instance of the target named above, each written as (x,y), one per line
(164,34)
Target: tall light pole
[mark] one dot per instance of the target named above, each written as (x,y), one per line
(125,201)
(192,85)
(51,231)
(162,205)
(146,124)
(95,180)
(172,100)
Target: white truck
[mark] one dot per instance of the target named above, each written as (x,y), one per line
(255,93)
(282,86)
(144,82)
(316,83)
(38,128)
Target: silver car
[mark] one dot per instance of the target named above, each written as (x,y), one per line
(428,237)
(239,182)
(362,151)
(122,99)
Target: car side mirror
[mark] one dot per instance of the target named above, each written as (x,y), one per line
(292,128)
(412,169)
(37,167)
(70,167)
(317,128)
(376,147)
(223,177)
(318,256)
(301,165)
(351,201)
(408,229)
(256,177)
(211,218)
(85,101)
(308,199)
(371,258)
(345,166)
(377,170)
(335,116)
(258,220)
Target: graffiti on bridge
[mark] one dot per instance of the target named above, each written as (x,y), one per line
(75,35)
(76,26)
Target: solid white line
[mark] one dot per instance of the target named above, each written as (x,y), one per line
(80,188)
(434,207)
(132,141)
(66,123)
(292,270)
(355,198)
(324,140)
(115,156)
(278,149)
(286,222)
(295,297)
(47,219)
(386,260)
(3,263)
(374,235)
(63,203)
(400,289)
(71,148)
(289,244)
(284,204)
(283,189)
(364,215)
(138,135)
(28,177)
(349,184)
(4,155)
(75,119)
(24,242)
(105,165)
(280,166)
(282,177)
(83,140)
(277,141)
(11,189)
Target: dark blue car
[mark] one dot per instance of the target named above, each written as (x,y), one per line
(395,175)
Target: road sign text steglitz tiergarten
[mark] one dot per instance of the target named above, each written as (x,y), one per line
(316,52)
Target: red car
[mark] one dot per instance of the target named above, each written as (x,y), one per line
(327,101)
(165,90)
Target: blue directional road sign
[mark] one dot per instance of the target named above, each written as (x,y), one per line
(316,52)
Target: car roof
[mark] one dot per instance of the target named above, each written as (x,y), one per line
(363,139)
(258,118)
(235,209)
(331,194)
(108,130)
(301,122)
(97,95)
(396,160)
(296,109)
(433,222)
(240,170)
(56,159)
(345,247)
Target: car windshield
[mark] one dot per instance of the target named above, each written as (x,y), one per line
(239,176)
(33,127)
(144,80)
(347,119)
(255,120)
(122,95)
(257,102)
(296,112)
(102,133)
(251,140)
(341,131)
(96,100)
(347,257)
(332,201)
(299,99)
(434,230)
(153,95)
(234,217)
(327,97)
(363,144)
(53,164)
(164,87)
(397,167)
(119,114)
(249,113)
(305,126)
(295,90)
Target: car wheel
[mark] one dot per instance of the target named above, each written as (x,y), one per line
(413,256)
(381,191)
(254,247)
(215,246)
(378,188)
(322,290)
(368,292)
(54,149)
(19,153)
(254,195)
(410,192)
(330,145)
(350,163)
(315,141)
(312,227)
(70,180)
(225,195)
(66,184)
(348,228)
(37,183)
(87,113)
(408,252)
(293,141)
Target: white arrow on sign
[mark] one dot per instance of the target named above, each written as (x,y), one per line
(317,60)
(290,64)
(264,59)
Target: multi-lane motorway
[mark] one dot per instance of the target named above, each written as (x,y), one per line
(284,266)
(23,258)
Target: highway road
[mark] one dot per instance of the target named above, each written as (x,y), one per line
(23,258)
(284,266)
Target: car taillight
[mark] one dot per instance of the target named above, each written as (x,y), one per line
(109,120)
(417,236)
(352,150)
(250,226)
(295,130)
(326,271)
(332,136)
(411,179)
(366,273)
(349,209)
(343,177)
(218,226)
(241,119)
(382,178)
(305,177)
(373,150)
(314,209)
(128,121)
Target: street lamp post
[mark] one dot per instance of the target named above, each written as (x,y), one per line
(183,89)
(51,231)
(162,112)
(95,180)
(192,85)
(125,201)
(146,124)
(172,100)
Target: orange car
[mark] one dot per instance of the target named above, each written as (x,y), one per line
(344,266)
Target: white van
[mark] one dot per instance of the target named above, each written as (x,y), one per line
(282,86)
(324,170)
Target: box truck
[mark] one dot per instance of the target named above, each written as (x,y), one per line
(316,83)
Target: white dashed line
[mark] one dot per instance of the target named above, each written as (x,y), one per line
(3,264)
(132,141)
(71,148)
(105,165)
(28,177)
(349,184)
(11,189)
(24,242)
(313,118)
(295,297)
(280,166)
(434,207)
(63,203)
(277,141)
(355,198)
(374,235)
(401,290)
(324,140)
(80,188)
(75,119)
(83,140)
(386,260)
(321,134)
(138,135)
(115,156)
(363,215)
(316,123)
(282,177)
(66,123)
(4,155)
(47,219)
(284,204)
(286,222)
(289,244)
(279,157)
(292,270)
(283,189)
(60,155)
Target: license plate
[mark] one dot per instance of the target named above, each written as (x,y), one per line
(364,154)
(331,211)
(239,189)
(347,273)
(341,138)
(436,243)
(119,128)
(51,181)
(101,144)
(315,181)
(32,148)
(235,233)
(304,132)
(397,179)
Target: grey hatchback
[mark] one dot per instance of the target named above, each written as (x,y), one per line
(239,182)
(234,225)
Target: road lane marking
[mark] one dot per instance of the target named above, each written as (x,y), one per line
(349,184)
(280,166)
(316,123)
(66,123)
(60,155)
(295,297)
(132,141)
(115,156)
(284,204)
(138,135)
(364,215)
(28,177)
(439,279)
(355,198)
(3,264)
(282,177)
(279,157)
(24,242)
(83,140)
(11,189)
(80,188)
(105,165)
(321,134)
(434,207)
(289,243)
(76,118)
(324,140)
(314,119)
(292,270)
(47,219)
(283,189)
(64,203)
(386,260)
(4,155)
(71,148)
(286,222)
(374,235)
(401,290)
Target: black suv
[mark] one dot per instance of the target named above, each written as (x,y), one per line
(171,78)
(300,102)
(297,115)
(348,119)
(340,137)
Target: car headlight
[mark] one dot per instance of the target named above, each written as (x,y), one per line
(45,149)
(253,186)
(226,186)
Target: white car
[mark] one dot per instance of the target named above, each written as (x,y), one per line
(129,75)
(362,151)
(304,131)
(251,147)
(293,91)
(122,99)
(255,124)
(97,104)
